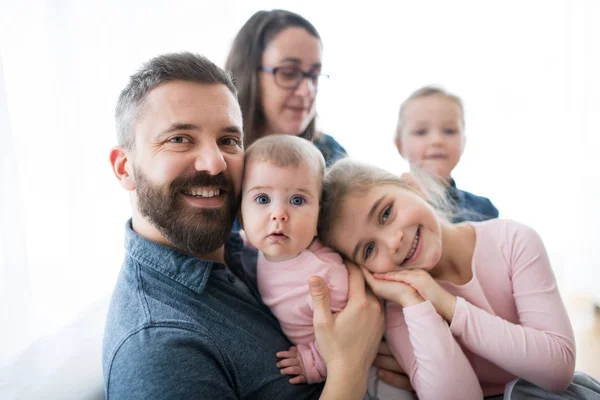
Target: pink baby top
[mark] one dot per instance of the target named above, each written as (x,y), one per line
(283,287)
(509,322)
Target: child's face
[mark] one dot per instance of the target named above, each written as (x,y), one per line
(387,229)
(280,208)
(432,136)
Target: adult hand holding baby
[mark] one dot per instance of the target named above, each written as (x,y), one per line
(347,351)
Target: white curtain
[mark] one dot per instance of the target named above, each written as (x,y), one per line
(15,285)
(526,70)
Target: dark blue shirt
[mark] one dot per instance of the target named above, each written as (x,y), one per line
(182,328)
(330,148)
(469,207)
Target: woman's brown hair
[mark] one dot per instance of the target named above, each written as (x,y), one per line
(245,58)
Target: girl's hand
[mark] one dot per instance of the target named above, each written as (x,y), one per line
(427,287)
(393,290)
(291,364)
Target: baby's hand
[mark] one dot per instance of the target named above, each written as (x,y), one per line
(291,364)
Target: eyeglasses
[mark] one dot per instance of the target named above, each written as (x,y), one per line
(291,77)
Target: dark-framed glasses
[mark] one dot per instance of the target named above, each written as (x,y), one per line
(291,77)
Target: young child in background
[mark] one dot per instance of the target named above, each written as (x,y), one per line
(431,136)
(471,306)
(281,191)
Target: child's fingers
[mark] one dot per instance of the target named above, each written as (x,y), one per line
(297,379)
(285,354)
(406,276)
(292,352)
(367,274)
(295,370)
(288,362)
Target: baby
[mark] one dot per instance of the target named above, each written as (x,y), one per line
(281,191)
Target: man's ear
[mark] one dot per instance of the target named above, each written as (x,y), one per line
(122,168)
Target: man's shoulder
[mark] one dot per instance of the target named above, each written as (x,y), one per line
(163,357)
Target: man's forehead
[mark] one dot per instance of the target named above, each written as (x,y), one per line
(182,102)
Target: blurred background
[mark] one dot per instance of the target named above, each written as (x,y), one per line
(526,70)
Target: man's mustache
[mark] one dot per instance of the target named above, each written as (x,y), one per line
(218,181)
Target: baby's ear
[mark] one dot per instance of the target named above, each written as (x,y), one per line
(413,183)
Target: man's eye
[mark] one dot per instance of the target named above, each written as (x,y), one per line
(386,214)
(179,140)
(230,141)
(368,250)
(262,199)
(297,200)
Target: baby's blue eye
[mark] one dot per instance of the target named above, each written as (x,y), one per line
(262,199)
(297,201)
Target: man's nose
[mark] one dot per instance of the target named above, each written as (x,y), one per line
(210,159)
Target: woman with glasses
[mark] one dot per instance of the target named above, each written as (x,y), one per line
(275,60)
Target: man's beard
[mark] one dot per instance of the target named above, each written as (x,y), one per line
(193,230)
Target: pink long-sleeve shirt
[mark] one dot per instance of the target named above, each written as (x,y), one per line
(283,286)
(509,322)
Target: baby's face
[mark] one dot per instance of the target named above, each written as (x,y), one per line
(280,208)
(432,136)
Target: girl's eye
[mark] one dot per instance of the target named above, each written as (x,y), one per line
(368,250)
(420,132)
(449,131)
(297,201)
(179,140)
(262,199)
(386,214)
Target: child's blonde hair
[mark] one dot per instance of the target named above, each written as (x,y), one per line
(287,151)
(350,177)
(427,91)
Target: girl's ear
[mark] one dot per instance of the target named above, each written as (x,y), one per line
(412,182)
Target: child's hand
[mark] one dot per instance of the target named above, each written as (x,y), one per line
(393,290)
(427,287)
(291,364)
